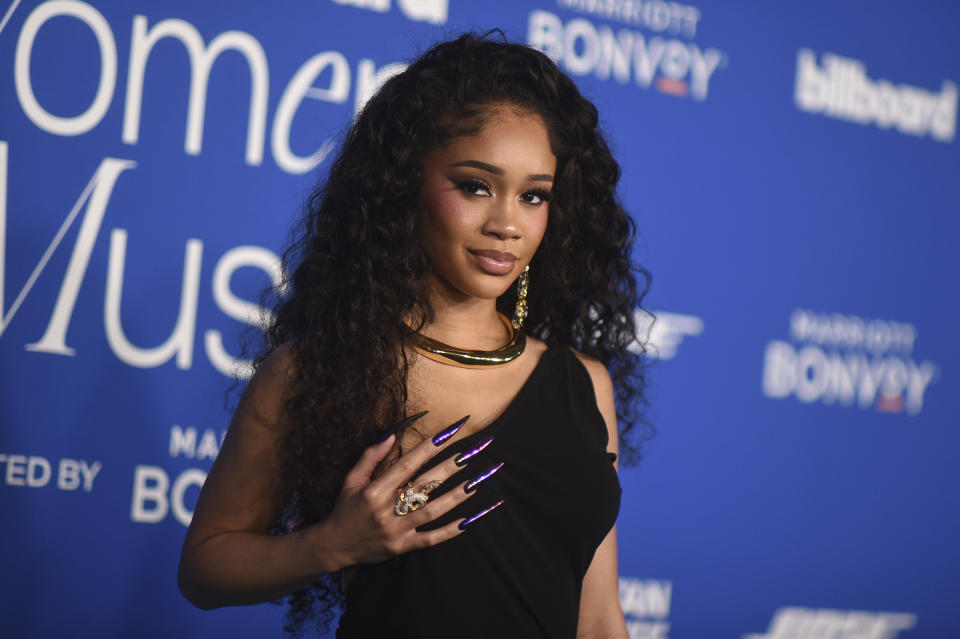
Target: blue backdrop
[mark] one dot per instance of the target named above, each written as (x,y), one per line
(792,168)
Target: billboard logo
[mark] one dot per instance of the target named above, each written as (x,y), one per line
(841,89)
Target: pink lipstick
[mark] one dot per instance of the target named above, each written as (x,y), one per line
(494,262)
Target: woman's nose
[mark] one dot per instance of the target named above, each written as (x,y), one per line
(503,220)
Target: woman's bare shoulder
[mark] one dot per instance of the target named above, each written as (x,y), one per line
(280,360)
(266,393)
(535,347)
(598,372)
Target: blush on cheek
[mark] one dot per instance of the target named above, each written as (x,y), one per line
(447,207)
(538,226)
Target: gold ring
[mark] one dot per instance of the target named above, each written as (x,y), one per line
(411,499)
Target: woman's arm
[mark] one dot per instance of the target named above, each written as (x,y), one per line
(600,614)
(229,557)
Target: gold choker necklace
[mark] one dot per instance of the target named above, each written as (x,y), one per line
(464,358)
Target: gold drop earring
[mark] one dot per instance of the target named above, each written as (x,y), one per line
(520,312)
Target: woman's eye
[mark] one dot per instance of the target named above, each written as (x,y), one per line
(474,187)
(536,197)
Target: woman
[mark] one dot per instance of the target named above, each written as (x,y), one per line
(473,186)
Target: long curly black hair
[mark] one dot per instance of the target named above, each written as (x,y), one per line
(359,267)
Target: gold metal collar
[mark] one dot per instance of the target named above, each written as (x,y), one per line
(463,358)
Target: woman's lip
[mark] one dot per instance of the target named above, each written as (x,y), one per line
(495,262)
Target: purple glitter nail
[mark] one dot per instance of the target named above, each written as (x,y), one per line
(469,520)
(401,424)
(473,483)
(462,458)
(450,431)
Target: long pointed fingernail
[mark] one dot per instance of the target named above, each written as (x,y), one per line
(449,431)
(471,485)
(401,424)
(463,457)
(469,520)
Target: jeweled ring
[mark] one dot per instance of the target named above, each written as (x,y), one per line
(412,499)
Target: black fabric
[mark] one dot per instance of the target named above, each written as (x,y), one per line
(518,571)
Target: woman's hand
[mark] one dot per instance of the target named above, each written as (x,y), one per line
(229,558)
(364,526)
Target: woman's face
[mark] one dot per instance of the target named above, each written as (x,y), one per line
(484,202)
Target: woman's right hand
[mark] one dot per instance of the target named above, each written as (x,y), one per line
(363,526)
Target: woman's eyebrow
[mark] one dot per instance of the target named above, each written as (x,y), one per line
(496,170)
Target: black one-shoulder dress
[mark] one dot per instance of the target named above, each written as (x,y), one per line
(518,571)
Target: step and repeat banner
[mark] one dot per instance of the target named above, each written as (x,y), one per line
(794,172)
